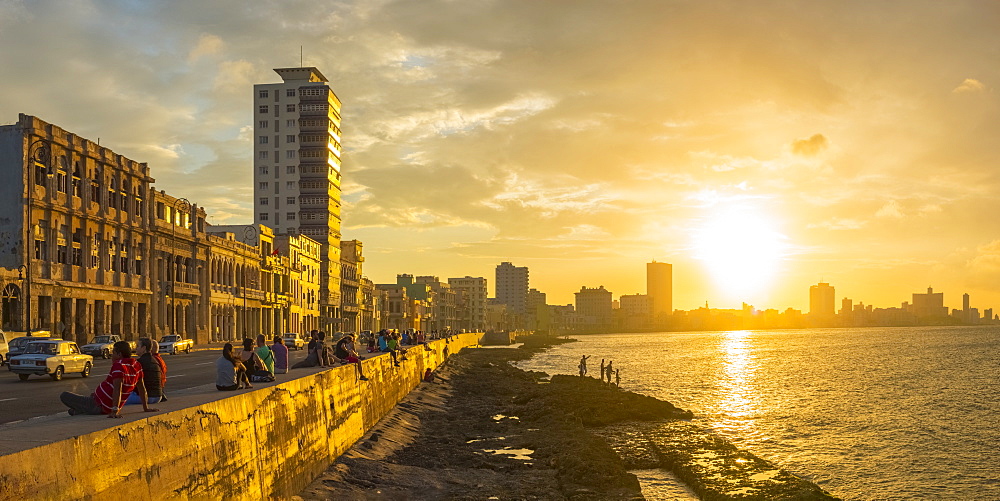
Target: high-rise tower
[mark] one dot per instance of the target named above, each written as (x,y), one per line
(297,169)
(512,287)
(822,300)
(659,287)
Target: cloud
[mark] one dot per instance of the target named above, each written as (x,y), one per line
(891,210)
(809,147)
(969,85)
(838,224)
(208,45)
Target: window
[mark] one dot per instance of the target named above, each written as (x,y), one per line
(262,169)
(290,154)
(290,108)
(263,200)
(262,155)
(290,201)
(290,169)
(290,93)
(262,93)
(290,185)
(262,186)
(262,109)
(262,140)
(290,138)
(263,216)
(289,123)
(290,216)
(262,124)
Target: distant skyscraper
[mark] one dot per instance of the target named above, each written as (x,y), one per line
(512,287)
(930,304)
(659,287)
(297,169)
(822,300)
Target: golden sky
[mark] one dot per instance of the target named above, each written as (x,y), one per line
(760,147)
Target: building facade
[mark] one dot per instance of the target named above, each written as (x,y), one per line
(297,159)
(351,267)
(472,293)
(822,301)
(593,307)
(512,287)
(660,287)
(76,235)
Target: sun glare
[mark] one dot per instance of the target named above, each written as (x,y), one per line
(741,250)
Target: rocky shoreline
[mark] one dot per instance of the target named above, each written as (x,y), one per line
(487,430)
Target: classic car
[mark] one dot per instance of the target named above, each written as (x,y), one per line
(53,357)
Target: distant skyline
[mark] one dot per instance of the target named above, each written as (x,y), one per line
(759,147)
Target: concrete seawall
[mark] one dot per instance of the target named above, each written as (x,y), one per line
(265,443)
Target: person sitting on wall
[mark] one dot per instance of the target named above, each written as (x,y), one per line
(312,356)
(345,351)
(124,377)
(392,343)
(280,352)
(265,354)
(229,371)
(150,374)
(154,352)
(255,368)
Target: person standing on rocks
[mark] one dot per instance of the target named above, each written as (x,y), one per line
(618,380)
(609,371)
(602,370)
(583,365)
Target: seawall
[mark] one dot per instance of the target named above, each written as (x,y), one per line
(266,443)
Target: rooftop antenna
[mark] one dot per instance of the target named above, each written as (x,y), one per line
(300,57)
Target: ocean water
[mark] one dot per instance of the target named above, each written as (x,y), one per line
(866,413)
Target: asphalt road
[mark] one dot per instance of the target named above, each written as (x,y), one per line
(39,395)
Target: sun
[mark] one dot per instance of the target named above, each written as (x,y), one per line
(741,249)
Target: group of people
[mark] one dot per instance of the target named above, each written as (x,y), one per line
(131,380)
(392,342)
(321,355)
(141,379)
(607,371)
(255,363)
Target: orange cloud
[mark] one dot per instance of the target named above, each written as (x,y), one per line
(811,146)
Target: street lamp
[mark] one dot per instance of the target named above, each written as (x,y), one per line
(39,154)
(181,206)
(249,232)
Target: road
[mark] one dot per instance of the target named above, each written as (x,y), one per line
(39,395)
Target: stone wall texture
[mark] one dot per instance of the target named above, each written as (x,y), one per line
(267,443)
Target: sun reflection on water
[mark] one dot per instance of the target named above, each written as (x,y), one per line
(739,402)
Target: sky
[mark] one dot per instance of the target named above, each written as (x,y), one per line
(760,147)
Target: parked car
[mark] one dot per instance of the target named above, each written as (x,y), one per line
(3,348)
(17,345)
(101,346)
(293,340)
(52,357)
(175,344)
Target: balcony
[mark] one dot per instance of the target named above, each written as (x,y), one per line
(183,289)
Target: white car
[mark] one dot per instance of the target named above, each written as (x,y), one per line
(53,357)
(293,340)
(174,344)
